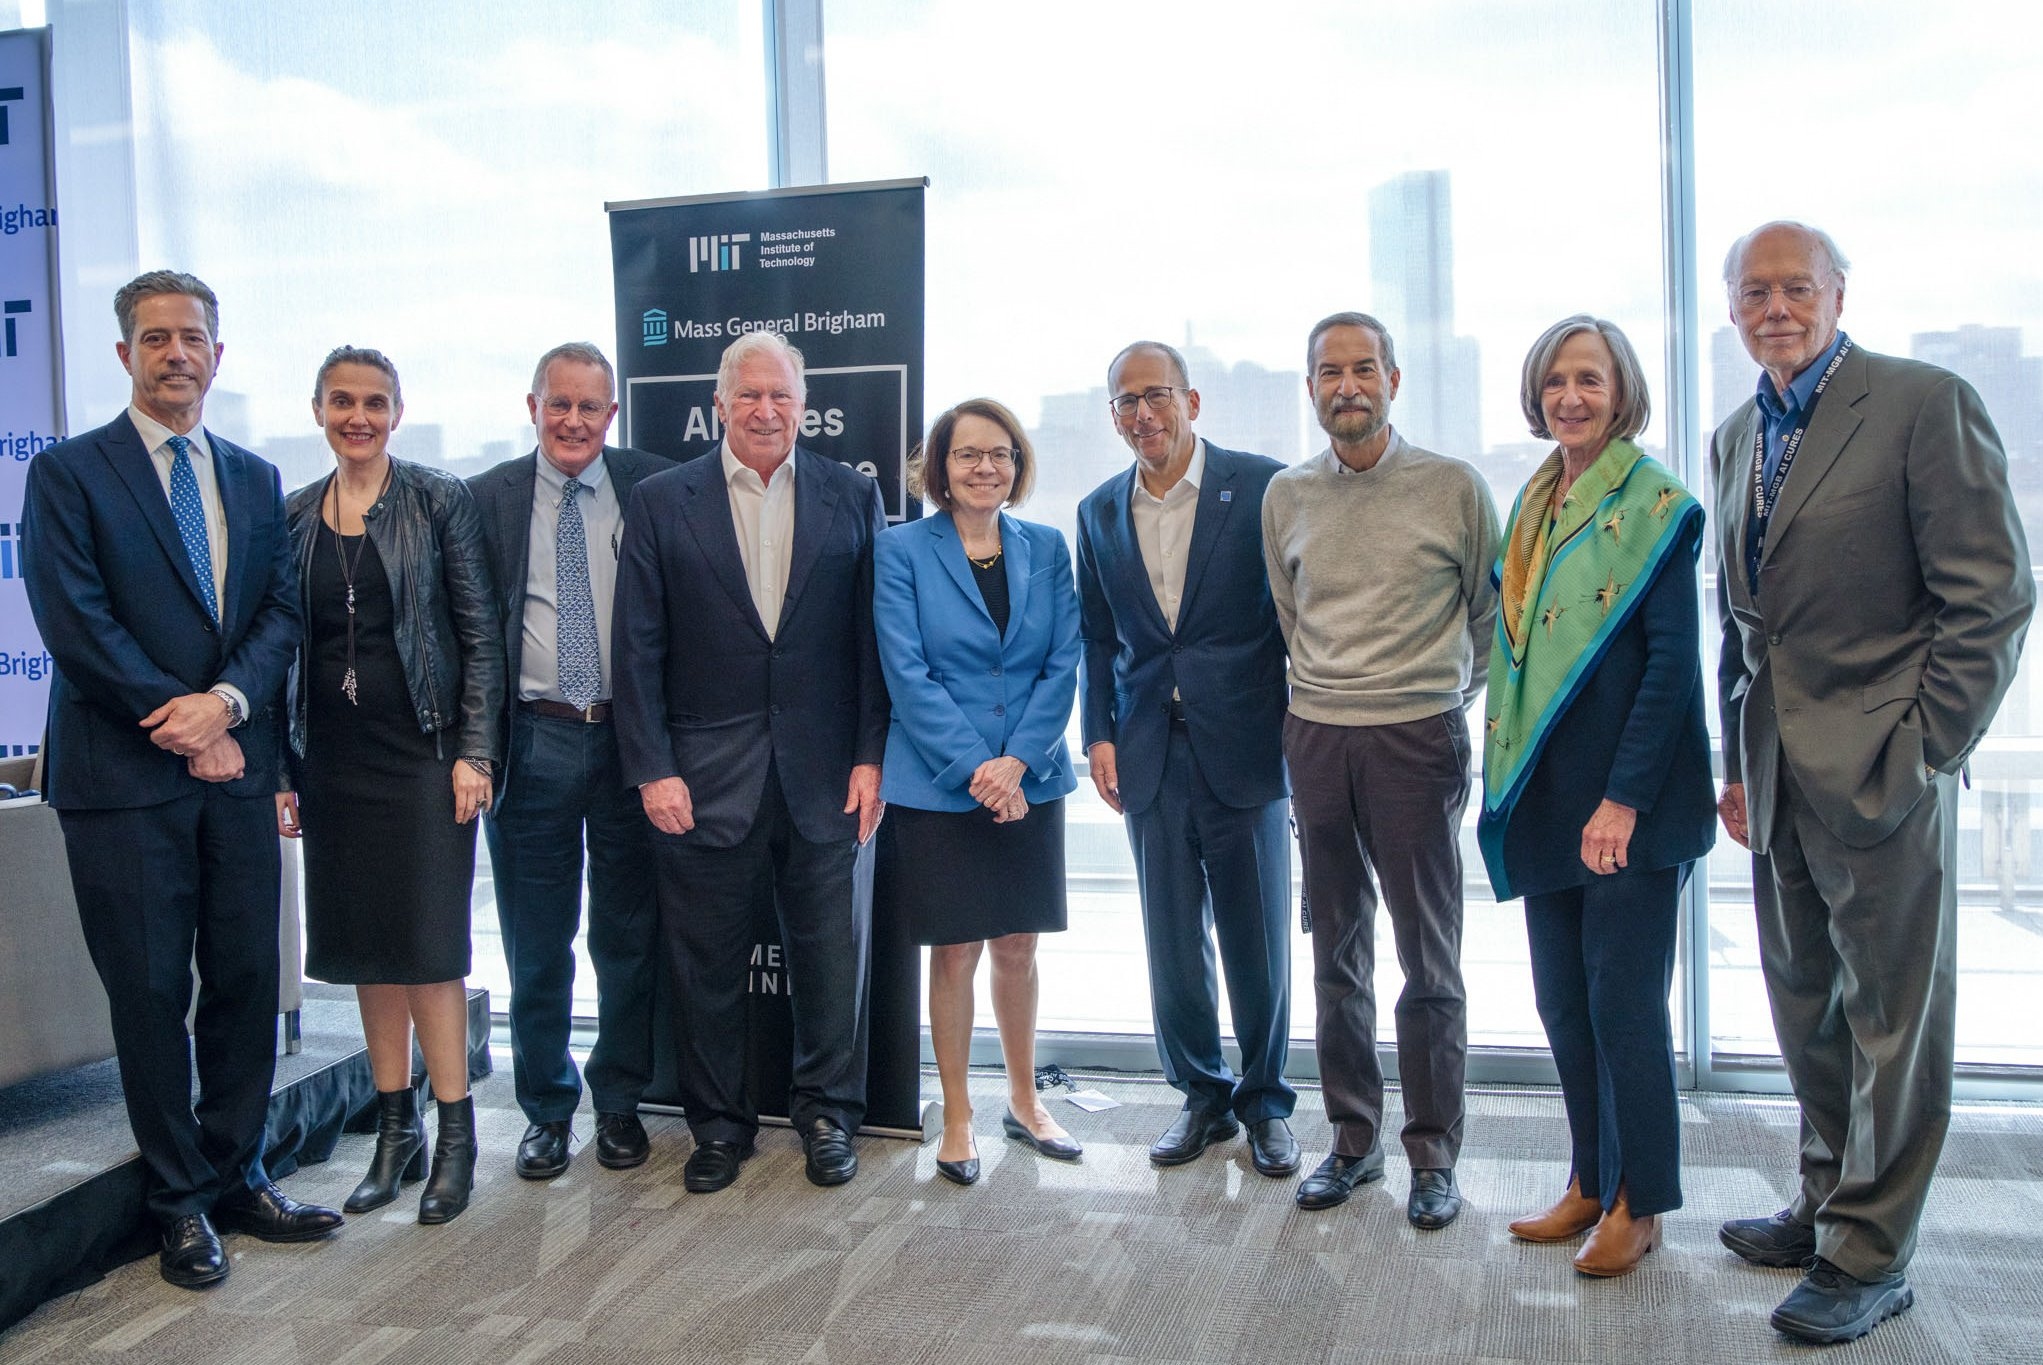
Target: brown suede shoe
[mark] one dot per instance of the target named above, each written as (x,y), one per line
(1575,1213)
(1619,1243)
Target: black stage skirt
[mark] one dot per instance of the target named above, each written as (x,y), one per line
(388,874)
(958,877)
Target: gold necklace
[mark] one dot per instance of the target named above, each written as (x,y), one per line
(987,562)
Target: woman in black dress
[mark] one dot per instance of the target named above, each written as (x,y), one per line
(977,617)
(394,699)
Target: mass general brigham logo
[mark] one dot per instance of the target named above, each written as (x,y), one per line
(653,327)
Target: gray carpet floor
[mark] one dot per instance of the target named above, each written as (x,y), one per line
(1108,1260)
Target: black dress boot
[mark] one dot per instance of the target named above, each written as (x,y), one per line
(454,1153)
(400,1151)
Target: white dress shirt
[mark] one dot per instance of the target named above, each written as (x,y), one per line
(156,439)
(1163,532)
(763,515)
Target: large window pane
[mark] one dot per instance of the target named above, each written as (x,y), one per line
(1220,178)
(428,180)
(1902,132)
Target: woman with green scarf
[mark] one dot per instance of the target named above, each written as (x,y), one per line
(1597,796)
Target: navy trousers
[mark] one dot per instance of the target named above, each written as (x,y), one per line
(822,895)
(194,879)
(565,791)
(1208,869)
(1602,964)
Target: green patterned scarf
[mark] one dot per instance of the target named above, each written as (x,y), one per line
(1569,582)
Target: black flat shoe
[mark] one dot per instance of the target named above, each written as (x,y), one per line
(1056,1148)
(543,1151)
(621,1141)
(713,1165)
(1272,1149)
(267,1213)
(964,1172)
(1435,1200)
(1334,1179)
(1192,1133)
(831,1160)
(192,1256)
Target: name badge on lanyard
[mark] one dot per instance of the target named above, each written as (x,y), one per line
(1766,493)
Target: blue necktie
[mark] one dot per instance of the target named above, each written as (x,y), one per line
(190,513)
(577,651)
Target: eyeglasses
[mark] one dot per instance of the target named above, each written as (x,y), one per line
(1156,400)
(1001,457)
(589,408)
(1753,297)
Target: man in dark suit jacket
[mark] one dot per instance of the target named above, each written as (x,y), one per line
(160,577)
(552,522)
(752,718)
(1874,588)
(1183,722)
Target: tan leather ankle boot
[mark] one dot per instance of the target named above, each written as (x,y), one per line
(1576,1212)
(1619,1243)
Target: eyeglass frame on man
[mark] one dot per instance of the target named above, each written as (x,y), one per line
(1753,297)
(1123,405)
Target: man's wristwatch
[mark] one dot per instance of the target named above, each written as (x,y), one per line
(234,716)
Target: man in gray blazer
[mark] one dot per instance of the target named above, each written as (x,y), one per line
(552,521)
(1874,589)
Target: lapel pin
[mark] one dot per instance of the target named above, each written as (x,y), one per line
(1227,495)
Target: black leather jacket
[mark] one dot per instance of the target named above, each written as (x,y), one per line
(426,532)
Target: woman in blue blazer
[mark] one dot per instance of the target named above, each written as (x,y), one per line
(977,616)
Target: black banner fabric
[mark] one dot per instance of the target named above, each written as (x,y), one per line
(839,273)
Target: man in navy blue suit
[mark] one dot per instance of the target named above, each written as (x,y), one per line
(752,718)
(1184,701)
(160,576)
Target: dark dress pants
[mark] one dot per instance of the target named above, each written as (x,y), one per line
(822,896)
(566,789)
(1205,869)
(194,879)
(1602,964)
(1859,950)
(1382,804)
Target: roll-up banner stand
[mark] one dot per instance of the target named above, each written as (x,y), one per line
(31,364)
(838,271)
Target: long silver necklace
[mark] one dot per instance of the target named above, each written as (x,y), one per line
(347,568)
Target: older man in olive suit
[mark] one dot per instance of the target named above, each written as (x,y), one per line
(1874,591)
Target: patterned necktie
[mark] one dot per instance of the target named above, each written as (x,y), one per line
(190,513)
(576,650)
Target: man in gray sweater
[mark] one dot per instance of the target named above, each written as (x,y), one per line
(1379,555)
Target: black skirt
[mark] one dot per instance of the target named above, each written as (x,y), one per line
(960,877)
(388,874)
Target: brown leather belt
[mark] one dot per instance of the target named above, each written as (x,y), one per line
(594,714)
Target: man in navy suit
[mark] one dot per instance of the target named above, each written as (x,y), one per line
(552,521)
(1183,723)
(752,718)
(160,576)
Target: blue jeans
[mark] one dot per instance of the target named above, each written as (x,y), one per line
(565,787)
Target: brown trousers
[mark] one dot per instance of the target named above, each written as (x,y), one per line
(1382,804)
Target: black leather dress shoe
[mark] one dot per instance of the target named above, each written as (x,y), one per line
(1435,1200)
(621,1141)
(1830,1305)
(543,1152)
(1271,1147)
(713,1165)
(269,1214)
(1334,1179)
(1777,1241)
(1066,1148)
(1194,1131)
(192,1256)
(831,1159)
